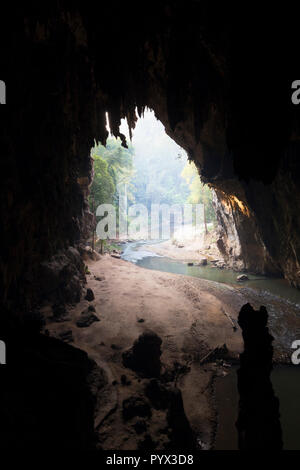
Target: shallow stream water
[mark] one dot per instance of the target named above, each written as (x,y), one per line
(282,302)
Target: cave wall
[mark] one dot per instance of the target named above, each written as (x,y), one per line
(47,127)
(222,92)
(239,239)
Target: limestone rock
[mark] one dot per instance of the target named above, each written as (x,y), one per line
(115,255)
(66,336)
(89,295)
(144,356)
(61,278)
(87,318)
(203,262)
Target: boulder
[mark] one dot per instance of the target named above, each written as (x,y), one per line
(59,310)
(87,253)
(66,336)
(124,380)
(221,265)
(87,318)
(89,295)
(61,278)
(135,406)
(144,356)
(242,277)
(95,256)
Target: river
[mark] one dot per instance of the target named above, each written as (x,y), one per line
(280,298)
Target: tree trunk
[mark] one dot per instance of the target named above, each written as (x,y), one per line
(204,218)
(93,237)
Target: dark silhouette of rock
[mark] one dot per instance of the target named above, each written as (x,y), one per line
(140,426)
(158,394)
(144,356)
(58,310)
(258,422)
(124,380)
(66,336)
(87,317)
(115,347)
(89,295)
(135,406)
(61,278)
(147,444)
(49,394)
(181,435)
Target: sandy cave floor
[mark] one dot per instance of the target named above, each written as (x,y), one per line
(187,313)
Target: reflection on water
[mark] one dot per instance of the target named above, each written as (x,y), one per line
(286,385)
(147,259)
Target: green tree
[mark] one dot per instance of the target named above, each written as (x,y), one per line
(199,192)
(119,163)
(103,187)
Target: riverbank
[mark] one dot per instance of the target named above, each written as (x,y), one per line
(194,249)
(192,317)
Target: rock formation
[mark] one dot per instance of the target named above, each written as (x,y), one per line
(258,423)
(144,356)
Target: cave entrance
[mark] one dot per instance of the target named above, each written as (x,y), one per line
(181,331)
(149,191)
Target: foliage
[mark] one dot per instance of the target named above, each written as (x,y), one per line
(199,192)
(103,187)
(159,181)
(151,172)
(119,162)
